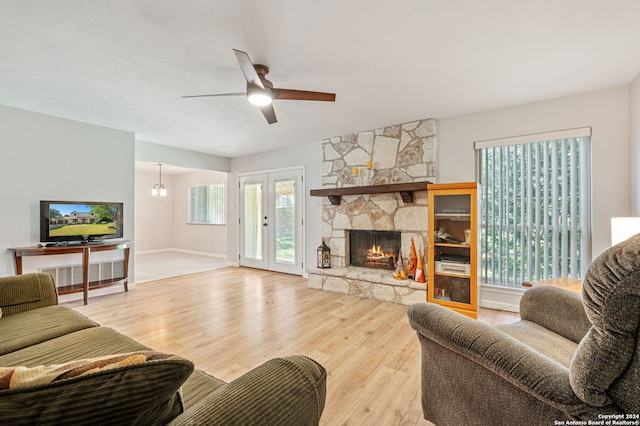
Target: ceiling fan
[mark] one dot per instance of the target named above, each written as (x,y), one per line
(261,92)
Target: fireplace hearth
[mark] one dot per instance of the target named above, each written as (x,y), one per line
(374,249)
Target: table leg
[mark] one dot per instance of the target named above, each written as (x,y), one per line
(126,269)
(85,274)
(17,263)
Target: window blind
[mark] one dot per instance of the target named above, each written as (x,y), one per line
(535,207)
(207,204)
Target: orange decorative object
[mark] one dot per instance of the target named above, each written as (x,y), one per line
(412,263)
(420,275)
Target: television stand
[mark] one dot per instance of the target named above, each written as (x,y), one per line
(84,250)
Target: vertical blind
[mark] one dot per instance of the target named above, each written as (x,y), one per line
(206,204)
(535,207)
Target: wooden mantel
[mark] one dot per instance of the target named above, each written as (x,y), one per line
(406,191)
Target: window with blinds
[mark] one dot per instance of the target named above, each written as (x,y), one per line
(535,207)
(207,204)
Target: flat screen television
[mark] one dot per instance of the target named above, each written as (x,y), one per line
(79,221)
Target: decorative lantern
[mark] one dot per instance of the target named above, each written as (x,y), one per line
(324,256)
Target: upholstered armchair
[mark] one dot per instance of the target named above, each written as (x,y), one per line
(570,357)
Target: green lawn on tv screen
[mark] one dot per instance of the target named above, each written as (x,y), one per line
(83,229)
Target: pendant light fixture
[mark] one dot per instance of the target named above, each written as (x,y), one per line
(158,188)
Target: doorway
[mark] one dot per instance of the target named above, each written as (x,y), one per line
(271,221)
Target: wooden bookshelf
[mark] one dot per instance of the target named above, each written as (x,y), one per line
(452,260)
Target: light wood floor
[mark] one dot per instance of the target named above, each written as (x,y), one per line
(172,263)
(230,320)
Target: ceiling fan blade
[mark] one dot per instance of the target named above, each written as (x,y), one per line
(216,94)
(248,69)
(302,95)
(269,113)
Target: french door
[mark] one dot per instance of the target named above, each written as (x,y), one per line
(271,221)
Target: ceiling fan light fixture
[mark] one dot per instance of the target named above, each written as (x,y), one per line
(258,97)
(260,91)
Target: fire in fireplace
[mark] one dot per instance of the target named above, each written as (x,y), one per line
(374,249)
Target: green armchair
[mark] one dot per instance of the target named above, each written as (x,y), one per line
(568,358)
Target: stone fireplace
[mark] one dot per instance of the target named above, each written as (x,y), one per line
(399,154)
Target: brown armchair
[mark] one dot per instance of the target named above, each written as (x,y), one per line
(568,358)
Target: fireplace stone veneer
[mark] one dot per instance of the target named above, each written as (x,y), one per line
(402,153)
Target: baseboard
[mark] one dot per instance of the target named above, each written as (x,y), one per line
(73,297)
(500,298)
(151,251)
(199,253)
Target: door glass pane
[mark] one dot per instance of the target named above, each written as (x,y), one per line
(253,221)
(285,218)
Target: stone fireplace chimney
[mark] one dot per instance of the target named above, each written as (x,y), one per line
(398,154)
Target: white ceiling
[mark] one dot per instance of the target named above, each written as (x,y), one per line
(126,64)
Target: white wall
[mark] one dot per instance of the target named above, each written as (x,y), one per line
(211,239)
(310,157)
(634,139)
(154,215)
(155,153)
(606,111)
(44,157)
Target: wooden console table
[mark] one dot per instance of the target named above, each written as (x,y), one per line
(84,250)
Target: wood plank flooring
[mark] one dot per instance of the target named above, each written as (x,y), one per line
(231,320)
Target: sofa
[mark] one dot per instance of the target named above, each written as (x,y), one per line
(571,359)
(60,367)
